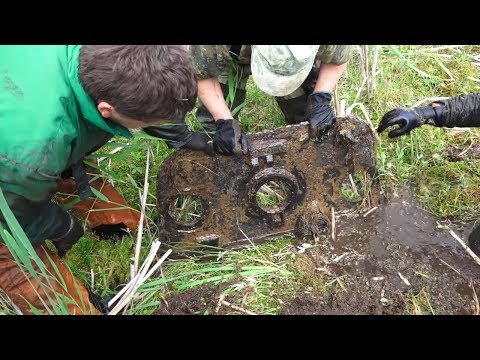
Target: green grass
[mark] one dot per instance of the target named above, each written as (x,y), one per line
(408,74)
(273,193)
(269,274)
(419,303)
(186,209)
(263,268)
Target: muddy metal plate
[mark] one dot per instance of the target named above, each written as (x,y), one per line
(222,195)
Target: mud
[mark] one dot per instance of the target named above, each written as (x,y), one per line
(386,257)
(197,301)
(395,260)
(203,300)
(392,257)
(459,153)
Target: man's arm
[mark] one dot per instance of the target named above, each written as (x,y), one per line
(209,62)
(458,111)
(229,138)
(334,59)
(211,95)
(328,76)
(461,111)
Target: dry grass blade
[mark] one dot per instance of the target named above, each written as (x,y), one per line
(367,72)
(269,191)
(342,107)
(333,223)
(250,241)
(220,301)
(450,47)
(92,279)
(451,267)
(464,246)
(354,187)
(336,101)
(367,118)
(475,298)
(444,68)
(404,279)
(468,148)
(134,280)
(7,306)
(117,149)
(143,199)
(340,282)
(473,79)
(238,308)
(370,211)
(431,99)
(130,289)
(360,90)
(373,72)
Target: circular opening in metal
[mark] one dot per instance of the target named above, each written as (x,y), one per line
(187,209)
(352,187)
(273,196)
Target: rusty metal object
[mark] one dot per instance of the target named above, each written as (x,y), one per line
(313,172)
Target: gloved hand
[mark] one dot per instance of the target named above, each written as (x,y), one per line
(66,234)
(229,139)
(320,114)
(410,119)
(200,141)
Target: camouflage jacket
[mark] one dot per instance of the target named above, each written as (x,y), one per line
(213,60)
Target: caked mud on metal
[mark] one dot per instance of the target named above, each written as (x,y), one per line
(312,172)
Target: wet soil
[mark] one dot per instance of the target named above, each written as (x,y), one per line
(397,261)
(394,260)
(197,301)
(202,300)
(459,153)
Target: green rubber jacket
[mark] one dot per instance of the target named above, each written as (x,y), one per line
(47,123)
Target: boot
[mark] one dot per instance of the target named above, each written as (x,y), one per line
(108,221)
(24,289)
(293,109)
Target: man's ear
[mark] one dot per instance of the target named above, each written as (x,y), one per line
(105,109)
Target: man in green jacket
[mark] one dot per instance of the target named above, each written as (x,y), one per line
(300,77)
(60,103)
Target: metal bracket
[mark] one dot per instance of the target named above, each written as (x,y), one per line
(226,187)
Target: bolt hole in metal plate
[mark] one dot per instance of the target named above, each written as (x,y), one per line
(236,200)
(353,187)
(187,210)
(273,196)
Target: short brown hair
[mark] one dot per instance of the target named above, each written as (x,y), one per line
(143,82)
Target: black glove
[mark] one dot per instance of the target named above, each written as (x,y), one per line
(229,139)
(175,136)
(320,114)
(181,137)
(200,141)
(66,234)
(410,119)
